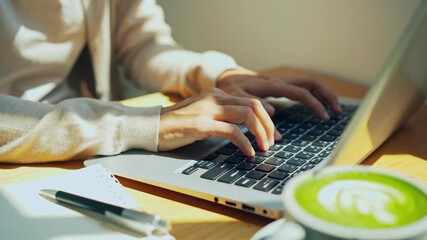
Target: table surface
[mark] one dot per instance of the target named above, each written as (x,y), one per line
(194,218)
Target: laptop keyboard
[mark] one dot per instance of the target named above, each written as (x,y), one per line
(307,141)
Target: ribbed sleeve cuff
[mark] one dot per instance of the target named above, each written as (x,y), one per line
(140,128)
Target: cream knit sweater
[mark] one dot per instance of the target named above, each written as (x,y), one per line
(40,42)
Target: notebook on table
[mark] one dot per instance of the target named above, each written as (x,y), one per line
(27,215)
(215,170)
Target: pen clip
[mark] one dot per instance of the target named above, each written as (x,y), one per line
(147,228)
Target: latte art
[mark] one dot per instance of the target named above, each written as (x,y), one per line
(359,197)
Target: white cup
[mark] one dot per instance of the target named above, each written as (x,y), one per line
(352,202)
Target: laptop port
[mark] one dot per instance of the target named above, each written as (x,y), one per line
(248,208)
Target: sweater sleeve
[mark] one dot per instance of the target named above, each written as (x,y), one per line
(73,129)
(154,60)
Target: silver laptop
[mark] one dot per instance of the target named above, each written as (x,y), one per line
(215,170)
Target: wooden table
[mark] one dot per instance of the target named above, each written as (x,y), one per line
(192,218)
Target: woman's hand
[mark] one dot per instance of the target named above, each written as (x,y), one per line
(307,90)
(216,113)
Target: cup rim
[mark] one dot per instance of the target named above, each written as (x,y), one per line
(304,217)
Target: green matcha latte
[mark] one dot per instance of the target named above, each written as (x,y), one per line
(362,199)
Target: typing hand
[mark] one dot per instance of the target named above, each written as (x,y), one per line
(215,113)
(307,90)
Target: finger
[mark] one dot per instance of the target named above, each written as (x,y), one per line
(244,114)
(267,106)
(277,135)
(270,111)
(260,112)
(321,91)
(305,97)
(231,132)
(280,87)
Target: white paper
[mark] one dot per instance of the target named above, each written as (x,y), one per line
(24,214)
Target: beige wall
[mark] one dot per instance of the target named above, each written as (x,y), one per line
(344,38)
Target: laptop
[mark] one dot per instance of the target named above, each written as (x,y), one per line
(215,170)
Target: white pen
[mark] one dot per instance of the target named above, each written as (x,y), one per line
(136,220)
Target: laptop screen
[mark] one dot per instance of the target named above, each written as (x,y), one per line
(394,97)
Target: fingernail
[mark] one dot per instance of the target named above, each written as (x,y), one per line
(326,116)
(251,152)
(271,141)
(265,146)
(277,136)
(270,110)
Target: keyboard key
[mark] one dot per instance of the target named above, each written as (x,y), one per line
(246,166)
(290,136)
(335,132)
(256,159)
(324,154)
(337,117)
(265,168)
(332,121)
(200,163)
(226,151)
(307,166)
(283,142)
(231,176)
(255,175)
(340,127)
(292,149)
(245,182)
(321,143)
(288,168)
(304,155)
(298,131)
(211,157)
(189,170)
(300,143)
(282,130)
(275,161)
(208,165)
(264,154)
(266,184)
(309,138)
(286,126)
(296,161)
(234,159)
(313,120)
(278,190)
(240,154)
(276,147)
(295,119)
(280,175)
(231,145)
(316,132)
(317,160)
(313,149)
(215,172)
(307,125)
(204,164)
(285,155)
(323,127)
(328,138)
